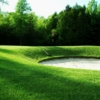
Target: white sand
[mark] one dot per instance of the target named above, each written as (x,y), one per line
(80,63)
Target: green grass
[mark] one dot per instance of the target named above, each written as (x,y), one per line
(22,78)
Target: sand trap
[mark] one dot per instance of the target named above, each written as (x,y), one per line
(80,63)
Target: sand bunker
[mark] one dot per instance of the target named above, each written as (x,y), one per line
(79,63)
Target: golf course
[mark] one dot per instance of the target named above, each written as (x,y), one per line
(23,78)
(49,50)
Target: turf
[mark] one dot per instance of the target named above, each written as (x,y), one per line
(22,78)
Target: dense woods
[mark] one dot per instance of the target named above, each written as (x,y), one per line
(77,25)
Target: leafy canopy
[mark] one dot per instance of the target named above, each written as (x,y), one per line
(3,1)
(23,7)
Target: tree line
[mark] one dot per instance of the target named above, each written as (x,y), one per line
(77,25)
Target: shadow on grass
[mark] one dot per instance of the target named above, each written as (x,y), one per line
(40,83)
(73,51)
(65,51)
(6,51)
(38,54)
(34,52)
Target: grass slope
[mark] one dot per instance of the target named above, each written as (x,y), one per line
(22,78)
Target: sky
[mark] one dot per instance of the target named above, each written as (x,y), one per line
(46,7)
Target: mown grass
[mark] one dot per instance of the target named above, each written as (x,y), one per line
(22,78)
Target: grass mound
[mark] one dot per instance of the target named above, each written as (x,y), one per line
(22,78)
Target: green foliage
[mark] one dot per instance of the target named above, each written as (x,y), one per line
(22,19)
(98,8)
(92,7)
(40,28)
(3,1)
(52,22)
(53,31)
(77,25)
(23,7)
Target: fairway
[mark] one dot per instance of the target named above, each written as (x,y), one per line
(23,78)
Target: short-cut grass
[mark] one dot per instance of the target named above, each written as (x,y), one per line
(22,78)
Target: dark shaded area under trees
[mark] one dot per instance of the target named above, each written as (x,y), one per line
(77,25)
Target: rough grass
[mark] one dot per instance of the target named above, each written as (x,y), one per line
(22,78)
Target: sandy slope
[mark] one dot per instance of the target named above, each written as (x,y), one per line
(80,63)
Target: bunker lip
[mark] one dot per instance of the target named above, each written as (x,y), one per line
(90,63)
(67,57)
